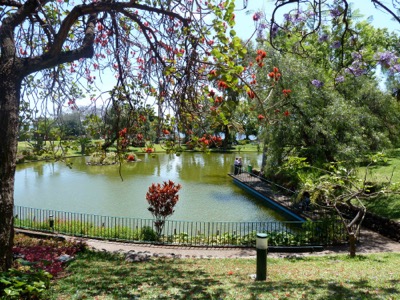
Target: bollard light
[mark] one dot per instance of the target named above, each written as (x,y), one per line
(51,221)
(262,241)
(261,247)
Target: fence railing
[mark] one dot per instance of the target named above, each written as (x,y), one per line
(290,233)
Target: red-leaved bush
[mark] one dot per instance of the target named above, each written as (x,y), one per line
(47,256)
(162,200)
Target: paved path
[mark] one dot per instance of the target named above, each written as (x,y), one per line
(371,242)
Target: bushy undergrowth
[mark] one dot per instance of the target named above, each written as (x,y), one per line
(36,261)
(23,284)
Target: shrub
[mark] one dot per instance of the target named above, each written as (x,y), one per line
(146,233)
(19,284)
(162,200)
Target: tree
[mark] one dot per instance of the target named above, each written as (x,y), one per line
(342,192)
(71,125)
(333,113)
(158,51)
(162,200)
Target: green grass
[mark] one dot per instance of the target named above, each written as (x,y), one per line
(106,276)
(385,206)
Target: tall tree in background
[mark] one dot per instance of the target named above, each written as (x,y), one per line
(336,110)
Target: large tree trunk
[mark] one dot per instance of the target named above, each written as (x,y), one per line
(10,86)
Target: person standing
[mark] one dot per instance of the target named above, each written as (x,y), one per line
(238,165)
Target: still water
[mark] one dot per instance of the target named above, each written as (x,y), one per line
(207,194)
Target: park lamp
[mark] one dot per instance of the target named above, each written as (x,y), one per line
(261,247)
(51,221)
(262,241)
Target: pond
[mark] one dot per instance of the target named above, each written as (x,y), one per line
(207,194)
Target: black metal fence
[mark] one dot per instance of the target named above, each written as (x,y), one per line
(290,233)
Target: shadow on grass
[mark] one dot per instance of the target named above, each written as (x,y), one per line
(319,289)
(388,207)
(107,276)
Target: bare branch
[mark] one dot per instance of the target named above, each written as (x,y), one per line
(385,8)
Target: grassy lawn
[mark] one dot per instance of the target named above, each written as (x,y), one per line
(106,276)
(386,206)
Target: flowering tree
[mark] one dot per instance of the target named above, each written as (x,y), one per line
(162,200)
(294,26)
(57,52)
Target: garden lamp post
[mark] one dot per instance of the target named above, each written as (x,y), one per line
(261,247)
(51,222)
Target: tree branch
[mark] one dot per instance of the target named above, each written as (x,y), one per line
(385,8)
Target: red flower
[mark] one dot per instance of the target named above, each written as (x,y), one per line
(219,99)
(256,16)
(251,94)
(123,132)
(261,53)
(260,117)
(222,84)
(166,131)
(286,113)
(286,92)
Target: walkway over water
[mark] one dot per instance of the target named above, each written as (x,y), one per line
(275,195)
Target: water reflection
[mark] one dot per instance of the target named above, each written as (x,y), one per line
(207,193)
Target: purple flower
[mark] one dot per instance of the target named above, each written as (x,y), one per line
(387,58)
(356,69)
(299,17)
(287,17)
(323,38)
(356,55)
(336,12)
(336,44)
(317,83)
(396,68)
(310,14)
(339,79)
(274,30)
(260,33)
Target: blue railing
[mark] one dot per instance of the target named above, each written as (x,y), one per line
(238,234)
